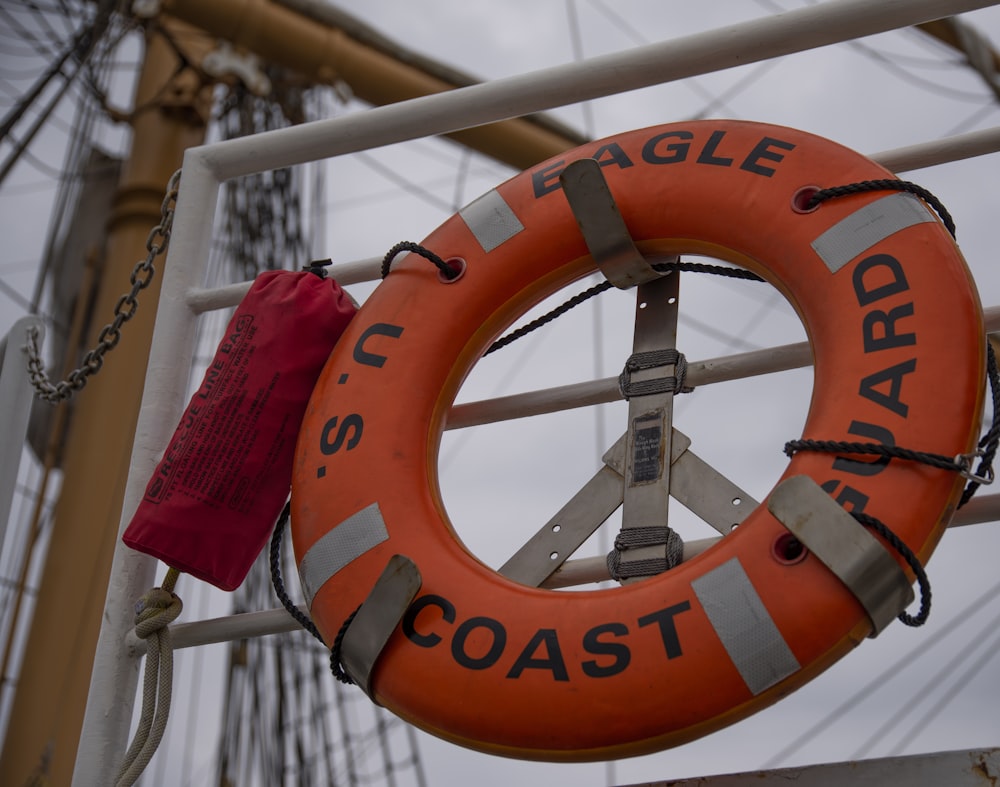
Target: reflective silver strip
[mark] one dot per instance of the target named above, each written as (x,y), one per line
(491,220)
(747,631)
(875,222)
(347,541)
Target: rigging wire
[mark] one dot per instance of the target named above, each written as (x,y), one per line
(949,694)
(866,690)
(892,63)
(917,698)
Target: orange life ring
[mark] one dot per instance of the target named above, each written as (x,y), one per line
(887,301)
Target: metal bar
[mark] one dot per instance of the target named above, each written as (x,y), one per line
(650,421)
(115,676)
(602,226)
(573,572)
(201,300)
(714,370)
(845,546)
(702,53)
(972,768)
(16,395)
(919,156)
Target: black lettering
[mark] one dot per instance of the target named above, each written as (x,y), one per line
(762,150)
(849,496)
(554,660)
(618,650)
(410,619)
(887,337)
(381,329)
(615,155)
(677,151)
(707,155)
(351,422)
(894,377)
(870,279)
(545,180)
(871,467)
(459,653)
(668,631)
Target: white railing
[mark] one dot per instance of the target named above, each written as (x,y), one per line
(116,667)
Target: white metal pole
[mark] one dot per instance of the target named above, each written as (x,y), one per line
(654,64)
(116,669)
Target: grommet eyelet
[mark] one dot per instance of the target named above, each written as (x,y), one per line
(456,265)
(800,199)
(788,550)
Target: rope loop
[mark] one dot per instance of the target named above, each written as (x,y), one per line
(446,270)
(154,612)
(885,184)
(300,617)
(911,560)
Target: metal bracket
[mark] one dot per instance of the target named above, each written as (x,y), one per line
(845,547)
(602,226)
(377,619)
(693,483)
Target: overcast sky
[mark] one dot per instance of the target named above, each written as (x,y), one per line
(501,482)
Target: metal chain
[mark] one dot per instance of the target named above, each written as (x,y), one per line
(140,278)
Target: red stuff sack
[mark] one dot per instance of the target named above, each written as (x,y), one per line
(212,501)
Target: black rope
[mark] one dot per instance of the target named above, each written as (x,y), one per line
(989,441)
(597,289)
(987,444)
(879,449)
(336,665)
(703,267)
(886,184)
(300,617)
(988,448)
(911,560)
(559,311)
(446,270)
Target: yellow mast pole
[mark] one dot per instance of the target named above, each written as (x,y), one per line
(51,692)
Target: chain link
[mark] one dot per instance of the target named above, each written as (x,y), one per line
(140,278)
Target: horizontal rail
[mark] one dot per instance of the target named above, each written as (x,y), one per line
(979,510)
(567,397)
(702,53)
(906,159)
(209,299)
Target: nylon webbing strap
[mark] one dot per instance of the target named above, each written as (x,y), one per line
(651,360)
(635,537)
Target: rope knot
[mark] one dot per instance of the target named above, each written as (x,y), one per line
(155,610)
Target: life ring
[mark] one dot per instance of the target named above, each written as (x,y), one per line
(887,302)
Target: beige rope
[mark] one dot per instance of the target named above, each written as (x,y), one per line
(155,611)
